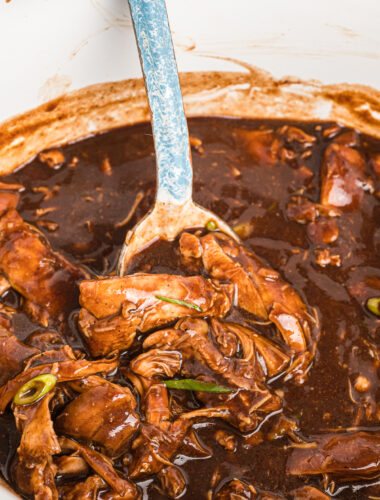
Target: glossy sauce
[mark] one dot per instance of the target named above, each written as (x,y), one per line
(95,188)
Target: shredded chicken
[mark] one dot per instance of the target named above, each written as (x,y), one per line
(46,279)
(114,308)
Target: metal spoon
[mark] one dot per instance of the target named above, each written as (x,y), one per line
(174,209)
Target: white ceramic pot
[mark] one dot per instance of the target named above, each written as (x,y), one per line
(52,47)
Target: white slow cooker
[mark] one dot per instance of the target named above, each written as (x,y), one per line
(275,58)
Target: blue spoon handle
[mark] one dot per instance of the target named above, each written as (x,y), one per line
(171,138)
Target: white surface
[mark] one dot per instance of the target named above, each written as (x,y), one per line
(51,46)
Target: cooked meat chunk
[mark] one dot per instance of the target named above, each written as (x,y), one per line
(34,466)
(346,456)
(86,490)
(262,146)
(104,414)
(8,200)
(200,357)
(323,231)
(236,489)
(309,493)
(64,371)
(172,481)
(135,299)
(262,292)
(45,278)
(104,467)
(71,465)
(303,210)
(13,353)
(45,340)
(343,177)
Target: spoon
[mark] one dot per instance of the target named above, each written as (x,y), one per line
(174,209)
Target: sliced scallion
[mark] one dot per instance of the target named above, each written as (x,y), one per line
(179,302)
(35,389)
(190,384)
(373,305)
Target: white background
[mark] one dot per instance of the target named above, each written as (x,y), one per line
(48,47)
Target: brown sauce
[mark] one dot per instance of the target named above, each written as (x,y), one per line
(94,189)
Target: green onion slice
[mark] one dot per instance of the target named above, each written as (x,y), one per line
(35,389)
(179,302)
(211,225)
(373,305)
(190,384)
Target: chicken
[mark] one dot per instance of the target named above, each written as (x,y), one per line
(114,308)
(345,456)
(103,467)
(86,490)
(269,147)
(309,493)
(65,370)
(172,481)
(192,349)
(262,292)
(104,413)
(46,280)
(34,469)
(159,437)
(13,353)
(236,489)
(343,177)
(302,210)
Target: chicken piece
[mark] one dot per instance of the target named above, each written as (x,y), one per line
(13,353)
(71,465)
(236,489)
(134,299)
(323,231)
(157,362)
(191,339)
(39,443)
(309,493)
(159,438)
(276,360)
(303,210)
(172,481)
(86,490)
(245,406)
(53,158)
(343,177)
(262,145)
(37,480)
(45,278)
(262,292)
(64,371)
(324,258)
(226,440)
(44,340)
(346,456)
(104,414)
(103,467)
(8,201)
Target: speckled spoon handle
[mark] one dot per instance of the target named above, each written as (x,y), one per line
(171,139)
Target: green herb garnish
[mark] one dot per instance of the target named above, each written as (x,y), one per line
(373,305)
(190,384)
(211,225)
(35,389)
(179,302)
